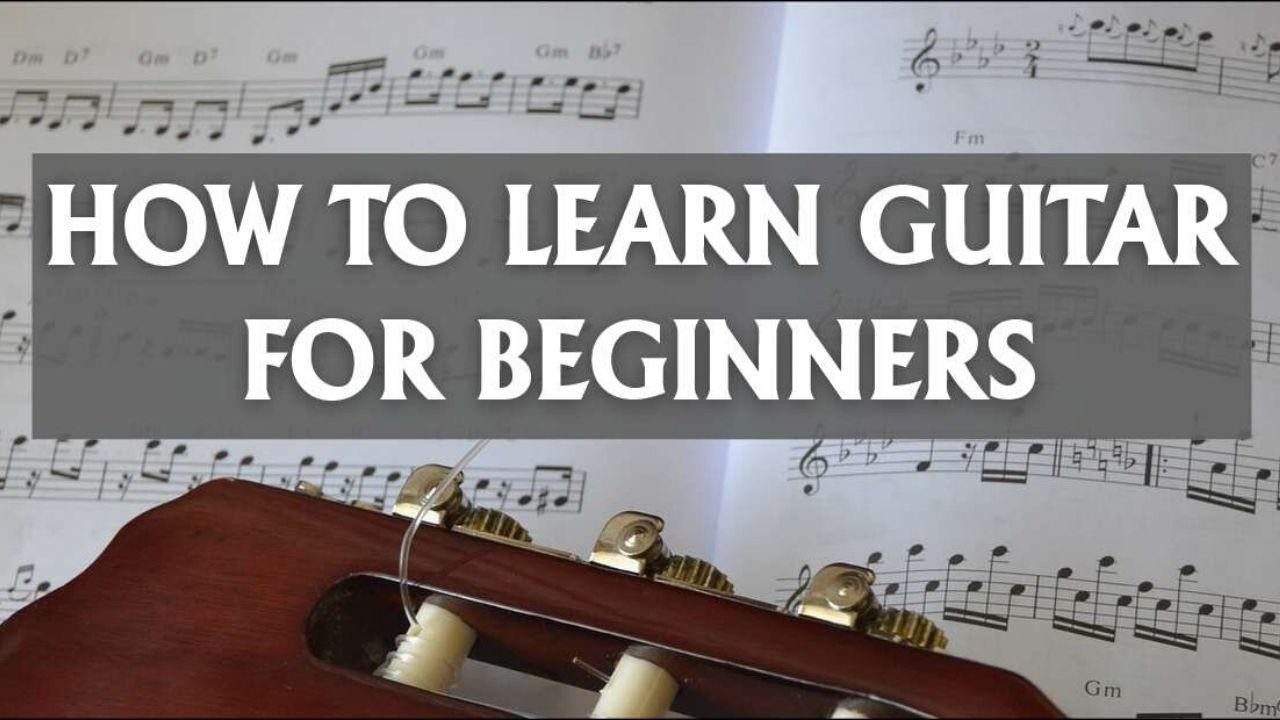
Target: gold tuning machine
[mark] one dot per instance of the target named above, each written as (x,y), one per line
(449,505)
(451,509)
(305,488)
(493,523)
(695,572)
(909,628)
(632,542)
(842,594)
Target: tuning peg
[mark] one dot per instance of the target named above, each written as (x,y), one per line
(430,653)
(909,628)
(449,504)
(632,542)
(691,571)
(842,594)
(493,523)
(450,507)
(637,688)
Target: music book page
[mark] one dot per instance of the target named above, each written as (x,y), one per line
(349,78)
(1110,571)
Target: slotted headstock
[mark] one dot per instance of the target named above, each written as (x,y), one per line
(239,599)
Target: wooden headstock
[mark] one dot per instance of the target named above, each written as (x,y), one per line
(238,599)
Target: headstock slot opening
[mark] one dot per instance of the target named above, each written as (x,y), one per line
(356,621)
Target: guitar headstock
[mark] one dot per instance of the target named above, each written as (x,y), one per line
(308,588)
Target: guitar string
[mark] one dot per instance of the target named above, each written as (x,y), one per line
(406,543)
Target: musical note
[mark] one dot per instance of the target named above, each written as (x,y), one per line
(20,591)
(927,463)
(294,107)
(164,474)
(73,472)
(163,108)
(92,103)
(598,102)
(22,348)
(8,464)
(1202,487)
(542,98)
(218,108)
(1153,631)
(368,75)
(430,98)
(1091,628)
(1270,51)
(478,94)
(19,102)
(1256,643)
(912,553)
(304,463)
(985,617)
(12,205)
(1265,214)
(540,490)
(998,470)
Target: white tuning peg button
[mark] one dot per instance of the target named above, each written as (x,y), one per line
(637,688)
(430,653)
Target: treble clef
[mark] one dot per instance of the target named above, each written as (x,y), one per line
(802,584)
(923,65)
(813,466)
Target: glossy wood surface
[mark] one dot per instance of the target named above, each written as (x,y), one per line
(200,607)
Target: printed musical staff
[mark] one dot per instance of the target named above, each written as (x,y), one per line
(1174,57)
(187,109)
(199,339)
(160,470)
(1227,474)
(1097,605)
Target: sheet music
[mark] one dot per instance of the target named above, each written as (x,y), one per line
(349,78)
(61,502)
(1124,576)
